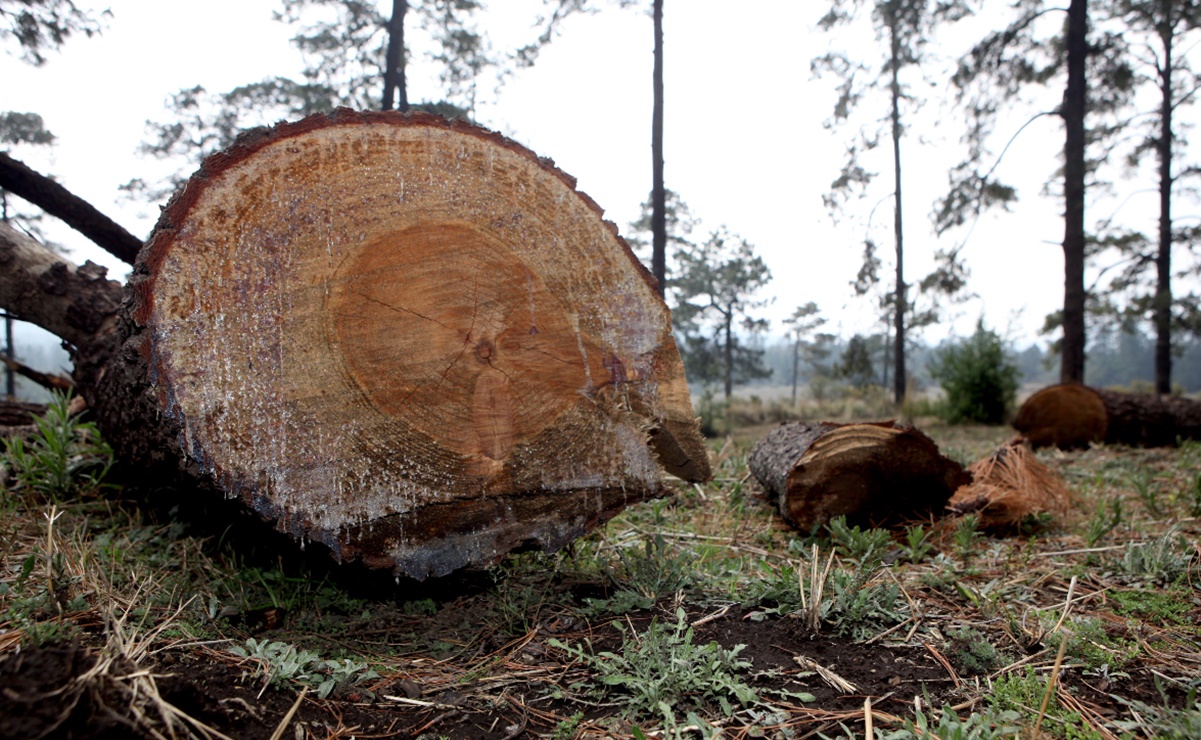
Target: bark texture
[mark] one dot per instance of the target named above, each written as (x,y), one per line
(76,303)
(870,473)
(409,339)
(1072,416)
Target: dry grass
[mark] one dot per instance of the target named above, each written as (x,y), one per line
(1105,599)
(1011,487)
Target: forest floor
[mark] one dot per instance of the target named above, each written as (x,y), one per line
(132,613)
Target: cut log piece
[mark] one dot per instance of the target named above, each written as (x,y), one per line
(873,473)
(1071,416)
(411,340)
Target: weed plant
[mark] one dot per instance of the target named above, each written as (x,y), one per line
(986,725)
(1105,520)
(1148,490)
(654,571)
(860,609)
(64,456)
(283,664)
(1022,694)
(972,651)
(917,543)
(1165,722)
(663,671)
(1162,560)
(865,547)
(965,535)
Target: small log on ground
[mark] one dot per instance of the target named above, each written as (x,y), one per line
(19,413)
(1009,487)
(1071,416)
(872,473)
(409,339)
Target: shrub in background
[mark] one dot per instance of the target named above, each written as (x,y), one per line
(980,380)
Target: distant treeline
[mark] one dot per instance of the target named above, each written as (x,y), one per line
(1115,358)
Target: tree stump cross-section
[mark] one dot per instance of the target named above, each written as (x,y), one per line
(409,339)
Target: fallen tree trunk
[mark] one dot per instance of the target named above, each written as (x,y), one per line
(1072,416)
(408,339)
(49,381)
(873,474)
(50,196)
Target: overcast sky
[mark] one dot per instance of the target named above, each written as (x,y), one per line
(745,144)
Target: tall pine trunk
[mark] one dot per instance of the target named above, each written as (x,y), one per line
(394,60)
(796,366)
(1163,260)
(899,320)
(728,355)
(658,192)
(1074,105)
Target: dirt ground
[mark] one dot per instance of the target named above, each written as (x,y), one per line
(482,654)
(41,696)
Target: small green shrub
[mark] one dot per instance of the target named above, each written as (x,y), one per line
(1161,560)
(980,381)
(662,670)
(978,726)
(865,547)
(65,455)
(860,609)
(972,651)
(654,571)
(283,663)
(917,543)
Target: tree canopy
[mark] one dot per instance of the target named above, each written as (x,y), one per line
(715,298)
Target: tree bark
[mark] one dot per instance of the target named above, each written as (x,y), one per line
(872,474)
(1074,105)
(394,60)
(10,356)
(75,303)
(899,377)
(1072,416)
(658,189)
(796,365)
(1163,260)
(409,339)
(80,215)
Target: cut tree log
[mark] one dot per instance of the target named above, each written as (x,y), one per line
(1071,416)
(409,339)
(871,473)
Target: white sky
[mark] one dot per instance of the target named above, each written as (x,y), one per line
(745,146)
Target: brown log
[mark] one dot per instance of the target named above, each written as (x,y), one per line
(19,413)
(871,473)
(76,303)
(17,178)
(409,339)
(1072,416)
(49,381)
